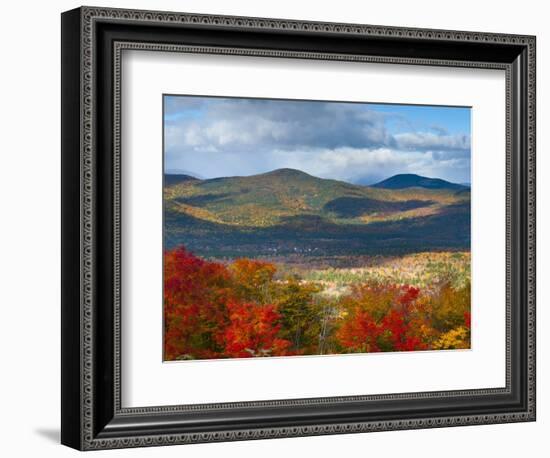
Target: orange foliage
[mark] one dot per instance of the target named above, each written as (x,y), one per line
(252,278)
(253,331)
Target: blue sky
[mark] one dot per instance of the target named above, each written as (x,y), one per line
(357,142)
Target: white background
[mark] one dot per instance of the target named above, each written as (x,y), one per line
(147,76)
(29,246)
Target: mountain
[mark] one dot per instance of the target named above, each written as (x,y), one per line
(171,179)
(265,199)
(410,180)
(182,172)
(290,211)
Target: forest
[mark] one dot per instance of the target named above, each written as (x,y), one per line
(244,307)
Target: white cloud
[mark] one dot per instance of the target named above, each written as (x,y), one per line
(430,140)
(342,141)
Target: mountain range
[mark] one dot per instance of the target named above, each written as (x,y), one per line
(289,211)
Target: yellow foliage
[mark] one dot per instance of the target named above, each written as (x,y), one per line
(253,279)
(449,306)
(374,298)
(458,338)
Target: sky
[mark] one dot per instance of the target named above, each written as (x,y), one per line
(364,143)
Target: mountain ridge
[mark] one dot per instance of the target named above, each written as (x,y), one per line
(411,180)
(268,198)
(290,211)
(171,179)
(397,181)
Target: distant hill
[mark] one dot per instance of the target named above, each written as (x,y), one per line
(287,210)
(266,199)
(410,180)
(171,179)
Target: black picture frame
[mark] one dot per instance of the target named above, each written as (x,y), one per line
(92,416)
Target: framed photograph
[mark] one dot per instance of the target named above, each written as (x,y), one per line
(276,228)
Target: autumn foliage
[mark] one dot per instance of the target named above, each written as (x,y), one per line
(253,331)
(249,309)
(383,319)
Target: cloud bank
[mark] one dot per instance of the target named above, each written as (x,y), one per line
(349,141)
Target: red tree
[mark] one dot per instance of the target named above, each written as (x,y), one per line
(252,331)
(195,296)
(205,317)
(393,331)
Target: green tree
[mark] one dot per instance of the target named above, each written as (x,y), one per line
(300,313)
